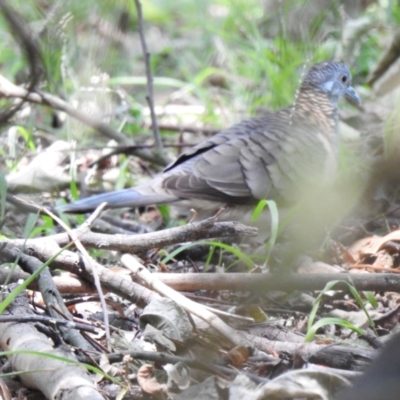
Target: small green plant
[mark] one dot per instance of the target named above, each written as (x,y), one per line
(11,297)
(273,210)
(165,212)
(313,327)
(123,174)
(233,250)
(30,223)
(27,136)
(46,227)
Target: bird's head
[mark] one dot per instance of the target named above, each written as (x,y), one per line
(333,79)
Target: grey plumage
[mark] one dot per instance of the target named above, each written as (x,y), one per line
(273,156)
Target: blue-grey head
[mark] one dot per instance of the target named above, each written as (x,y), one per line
(333,79)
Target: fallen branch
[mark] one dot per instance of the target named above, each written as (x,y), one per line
(207,229)
(259,283)
(55,378)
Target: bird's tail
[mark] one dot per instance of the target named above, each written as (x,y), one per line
(118,199)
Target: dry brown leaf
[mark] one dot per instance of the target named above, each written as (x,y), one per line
(382,248)
(371,245)
(149,384)
(238,356)
(363,247)
(390,237)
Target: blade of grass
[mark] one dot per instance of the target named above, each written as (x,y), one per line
(63,359)
(273,210)
(330,321)
(3,194)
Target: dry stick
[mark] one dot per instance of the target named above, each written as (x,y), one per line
(205,229)
(9,90)
(50,321)
(256,283)
(285,281)
(202,230)
(206,130)
(149,76)
(29,45)
(88,260)
(388,59)
(198,310)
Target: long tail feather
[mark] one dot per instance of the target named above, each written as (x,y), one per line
(118,199)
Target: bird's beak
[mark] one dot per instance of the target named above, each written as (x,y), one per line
(352,96)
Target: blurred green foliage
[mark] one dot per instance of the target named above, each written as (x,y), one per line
(256,58)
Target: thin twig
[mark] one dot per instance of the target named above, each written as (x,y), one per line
(206,130)
(150,90)
(51,321)
(88,260)
(29,45)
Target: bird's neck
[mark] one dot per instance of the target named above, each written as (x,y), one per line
(316,109)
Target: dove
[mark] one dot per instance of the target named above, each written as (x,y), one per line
(275,156)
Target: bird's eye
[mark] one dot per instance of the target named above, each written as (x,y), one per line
(343,78)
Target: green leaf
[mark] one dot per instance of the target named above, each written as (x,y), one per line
(11,297)
(371,298)
(273,210)
(329,286)
(165,212)
(330,321)
(27,136)
(30,224)
(122,177)
(63,359)
(3,196)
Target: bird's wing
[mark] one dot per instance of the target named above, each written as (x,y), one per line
(264,157)
(255,159)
